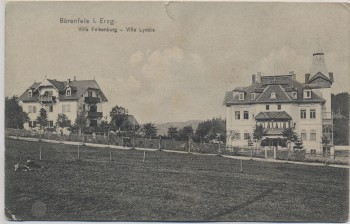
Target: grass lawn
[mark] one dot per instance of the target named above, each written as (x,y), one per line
(167,187)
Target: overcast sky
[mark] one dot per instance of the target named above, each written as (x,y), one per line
(181,71)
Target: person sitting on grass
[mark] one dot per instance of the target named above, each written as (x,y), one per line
(32,164)
(21,167)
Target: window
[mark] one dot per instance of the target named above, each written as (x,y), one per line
(312,113)
(30,123)
(267,107)
(245,115)
(307,93)
(241,96)
(237,115)
(246,136)
(279,107)
(294,95)
(237,136)
(31,109)
(303,135)
(68,92)
(313,135)
(51,124)
(48,93)
(252,96)
(303,114)
(49,108)
(30,93)
(89,93)
(273,96)
(313,151)
(65,108)
(34,124)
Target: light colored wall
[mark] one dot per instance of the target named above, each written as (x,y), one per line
(57,107)
(72,115)
(309,124)
(292,109)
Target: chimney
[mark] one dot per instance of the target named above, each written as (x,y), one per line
(294,76)
(75,78)
(258,77)
(331,76)
(253,78)
(307,77)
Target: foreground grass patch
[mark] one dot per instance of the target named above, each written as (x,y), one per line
(168,187)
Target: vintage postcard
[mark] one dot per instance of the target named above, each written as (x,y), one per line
(177,111)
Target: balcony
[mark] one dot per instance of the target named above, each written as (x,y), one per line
(95,114)
(327,118)
(326,115)
(92,100)
(47,99)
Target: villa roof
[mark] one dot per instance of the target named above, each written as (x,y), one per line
(281,85)
(78,87)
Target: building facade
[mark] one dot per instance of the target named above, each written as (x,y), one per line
(63,97)
(280,101)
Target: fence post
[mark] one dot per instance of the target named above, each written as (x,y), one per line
(144,156)
(110,156)
(265,152)
(241,165)
(40,152)
(274,152)
(78,152)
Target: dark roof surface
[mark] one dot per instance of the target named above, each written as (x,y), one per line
(282,85)
(319,75)
(78,87)
(281,95)
(272,115)
(132,120)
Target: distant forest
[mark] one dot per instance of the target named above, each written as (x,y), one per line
(340,108)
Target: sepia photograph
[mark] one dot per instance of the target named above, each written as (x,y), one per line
(176,111)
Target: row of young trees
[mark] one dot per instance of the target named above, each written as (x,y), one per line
(209,130)
(119,123)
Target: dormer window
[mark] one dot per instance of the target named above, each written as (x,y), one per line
(307,94)
(68,92)
(252,96)
(241,96)
(30,93)
(294,95)
(273,96)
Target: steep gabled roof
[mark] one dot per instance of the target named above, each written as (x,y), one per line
(271,115)
(78,87)
(281,95)
(132,120)
(321,76)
